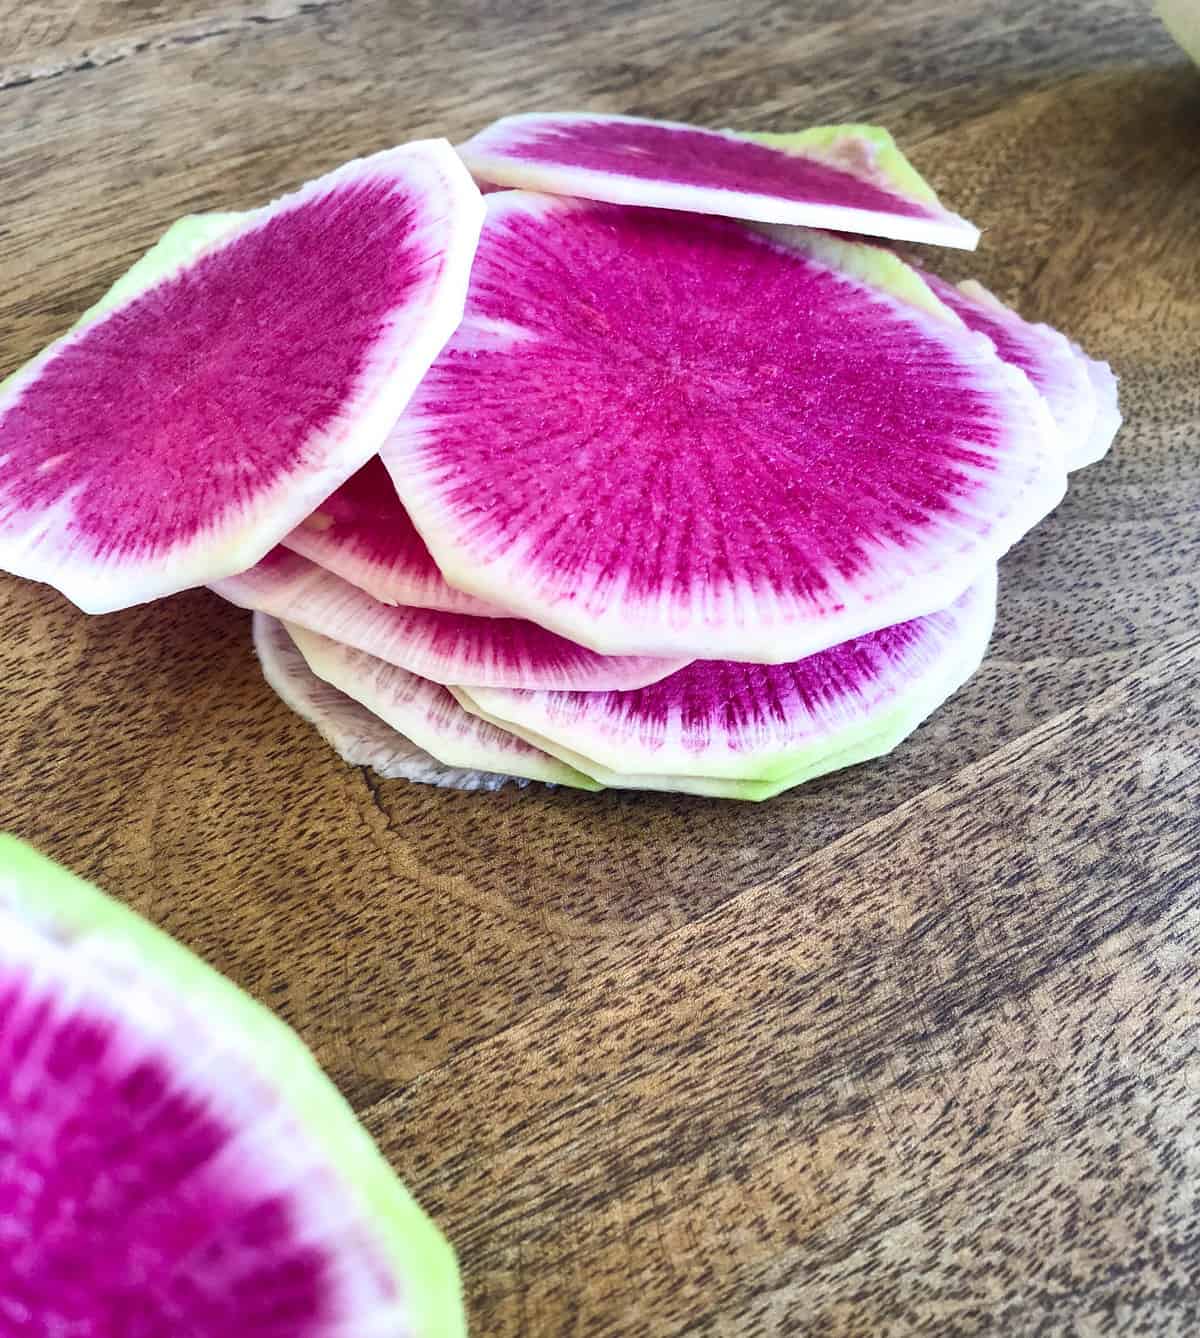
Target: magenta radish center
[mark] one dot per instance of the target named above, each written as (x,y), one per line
(687,156)
(646,404)
(115,1216)
(208,389)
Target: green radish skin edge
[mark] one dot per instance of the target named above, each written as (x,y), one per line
(771,778)
(39,892)
(1181,18)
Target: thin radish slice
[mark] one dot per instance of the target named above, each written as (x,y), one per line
(851,178)
(660,434)
(444,647)
(1058,370)
(771,725)
(427,714)
(355,734)
(861,748)
(177,437)
(363,534)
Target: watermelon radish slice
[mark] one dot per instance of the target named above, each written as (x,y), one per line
(427,714)
(861,748)
(173,1161)
(765,727)
(444,647)
(661,434)
(181,434)
(1067,379)
(832,177)
(363,534)
(358,737)
(695,785)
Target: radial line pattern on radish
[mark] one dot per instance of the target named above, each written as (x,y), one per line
(708,443)
(175,435)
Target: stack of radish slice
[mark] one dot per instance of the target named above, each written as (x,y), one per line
(630,471)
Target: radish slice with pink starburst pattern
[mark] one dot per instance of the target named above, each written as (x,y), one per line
(429,715)
(358,736)
(174,1161)
(749,731)
(363,534)
(178,435)
(662,434)
(1061,372)
(852,178)
(444,647)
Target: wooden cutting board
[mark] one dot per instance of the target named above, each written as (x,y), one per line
(913,1050)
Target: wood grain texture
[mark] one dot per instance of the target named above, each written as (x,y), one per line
(913,1050)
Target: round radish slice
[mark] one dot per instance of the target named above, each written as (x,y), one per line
(183,433)
(444,647)
(174,1161)
(363,534)
(660,434)
(861,748)
(357,736)
(426,713)
(763,727)
(852,178)
(1058,370)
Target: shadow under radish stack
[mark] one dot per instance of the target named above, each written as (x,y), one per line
(632,473)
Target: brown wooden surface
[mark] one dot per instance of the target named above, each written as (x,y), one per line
(914,1050)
